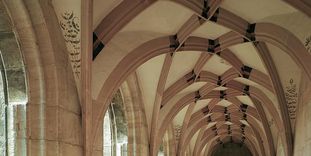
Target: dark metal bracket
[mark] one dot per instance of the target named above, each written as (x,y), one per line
(174,42)
(246,71)
(97,46)
(250,32)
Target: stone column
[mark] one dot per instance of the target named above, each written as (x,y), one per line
(98,147)
(302,143)
(86,73)
(169,140)
(54,125)
(136,118)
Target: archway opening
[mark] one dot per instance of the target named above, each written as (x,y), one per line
(115,138)
(3,117)
(13,90)
(232,149)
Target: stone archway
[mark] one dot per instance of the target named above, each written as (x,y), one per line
(170,44)
(231,149)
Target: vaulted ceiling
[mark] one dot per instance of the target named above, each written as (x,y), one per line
(217,70)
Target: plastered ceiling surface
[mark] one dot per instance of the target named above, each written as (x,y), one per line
(234,92)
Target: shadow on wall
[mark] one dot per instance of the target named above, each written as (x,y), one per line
(232,149)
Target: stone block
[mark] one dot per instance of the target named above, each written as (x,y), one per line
(97,153)
(70,127)
(70,150)
(51,147)
(42,122)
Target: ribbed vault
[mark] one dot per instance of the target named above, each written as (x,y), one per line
(206,66)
